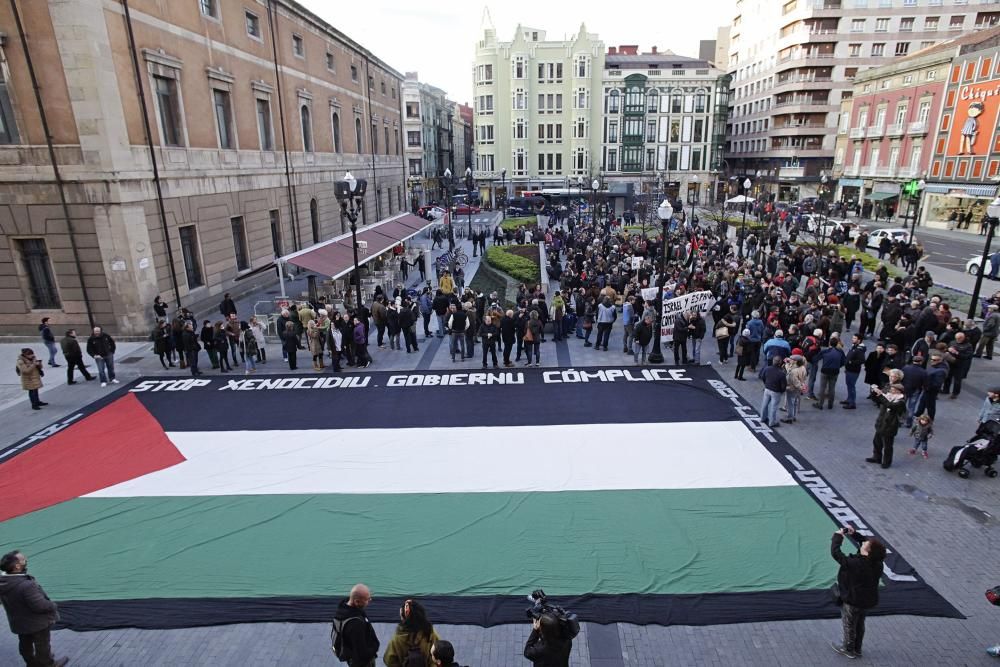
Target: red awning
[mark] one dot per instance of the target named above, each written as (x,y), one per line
(335,258)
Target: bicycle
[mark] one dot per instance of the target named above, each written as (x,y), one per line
(458,256)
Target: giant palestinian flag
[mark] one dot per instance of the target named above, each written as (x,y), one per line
(646,496)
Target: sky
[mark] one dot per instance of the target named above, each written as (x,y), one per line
(437,39)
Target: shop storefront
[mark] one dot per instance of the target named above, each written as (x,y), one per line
(850,191)
(945,204)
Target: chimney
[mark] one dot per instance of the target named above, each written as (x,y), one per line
(628,49)
(612,51)
(654,50)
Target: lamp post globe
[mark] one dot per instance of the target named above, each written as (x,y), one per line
(664,212)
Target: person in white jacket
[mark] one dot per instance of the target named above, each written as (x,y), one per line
(258,333)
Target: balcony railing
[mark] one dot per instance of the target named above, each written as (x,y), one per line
(852,170)
(907,172)
(896,129)
(884,171)
(857,133)
(868,170)
(918,127)
(803,101)
(876,130)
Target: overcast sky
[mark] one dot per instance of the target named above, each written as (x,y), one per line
(437,39)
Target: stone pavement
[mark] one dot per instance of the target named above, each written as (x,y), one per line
(945,526)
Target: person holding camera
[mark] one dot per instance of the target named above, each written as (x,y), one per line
(29,368)
(857,587)
(547,645)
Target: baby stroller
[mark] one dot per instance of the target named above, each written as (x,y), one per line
(980,450)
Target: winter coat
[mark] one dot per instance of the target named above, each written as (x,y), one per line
(401,643)
(858,577)
(30,372)
(71,346)
(890,411)
(100,346)
(29,609)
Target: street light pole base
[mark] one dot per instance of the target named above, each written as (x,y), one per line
(655,358)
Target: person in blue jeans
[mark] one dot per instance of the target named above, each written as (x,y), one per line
(854,362)
(775,384)
(756,327)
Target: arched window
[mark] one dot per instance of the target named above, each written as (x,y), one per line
(335,121)
(652,101)
(387,144)
(307,133)
(614,101)
(314,219)
(358,136)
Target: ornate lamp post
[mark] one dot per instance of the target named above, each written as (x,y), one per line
(992,218)
(503,186)
(350,192)
(664,212)
(469,184)
(447,182)
(743,226)
(694,199)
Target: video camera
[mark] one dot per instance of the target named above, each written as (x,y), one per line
(568,622)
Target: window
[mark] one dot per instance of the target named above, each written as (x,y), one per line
(906,24)
(209,8)
(382,84)
(412,110)
(881,25)
(253,25)
(581,129)
(331,64)
(698,130)
(276,232)
(652,102)
(519,68)
(924,111)
(240,243)
(672,160)
(612,132)
(298,46)
(893,157)
(385,135)
(358,135)
(169,108)
(338,147)
(192,256)
(223,118)
(395,138)
(354,73)
(858,25)
(413,138)
(651,130)
(900,114)
(612,160)
(8,129)
(305,118)
(902,48)
(38,269)
(520,99)
(907,79)
(519,129)
(314,219)
(415,168)
(581,68)
(931,23)
(676,100)
(485,133)
(854,50)
(614,100)
(265,129)
(700,103)
(956,22)
(878,49)
(374,137)
(485,104)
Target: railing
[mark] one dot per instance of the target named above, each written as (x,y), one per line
(801,102)
(896,129)
(852,170)
(876,130)
(884,171)
(907,172)
(857,133)
(867,170)
(918,127)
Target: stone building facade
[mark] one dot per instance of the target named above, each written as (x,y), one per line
(254,109)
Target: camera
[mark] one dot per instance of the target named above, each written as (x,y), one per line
(568,622)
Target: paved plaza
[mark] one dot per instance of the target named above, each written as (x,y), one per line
(944,526)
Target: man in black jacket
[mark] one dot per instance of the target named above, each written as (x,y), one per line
(857,581)
(74,357)
(360,643)
(191,348)
(547,646)
(853,362)
(29,610)
(891,408)
(508,334)
(101,347)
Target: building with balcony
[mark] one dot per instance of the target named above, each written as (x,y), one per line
(793,62)
(884,126)
(428,119)
(663,123)
(536,114)
(190,184)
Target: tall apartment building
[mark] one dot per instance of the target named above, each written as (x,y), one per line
(663,125)
(253,110)
(536,115)
(428,118)
(793,62)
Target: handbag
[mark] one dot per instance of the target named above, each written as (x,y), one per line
(528,336)
(835,594)
(722,332)
(993,595)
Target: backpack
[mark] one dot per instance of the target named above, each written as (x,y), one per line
(414,657)
(337,638)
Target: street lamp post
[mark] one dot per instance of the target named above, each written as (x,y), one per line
(694,199)
(594,185)
(743,226)
(916,213)
(992,218)
(664,212)
(469,184)
(822,225)
(503,186)
(350,192)
(446,182)
(579,194)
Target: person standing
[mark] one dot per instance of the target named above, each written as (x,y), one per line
(191,348)
(682,328)
(160,308)
(74,355)
(857,583)
(775,384)
(697,328)
(547,645)
(30,612)
(49,340)
(642,335)
(362,358)
(508,334)
(628,322)
(101,347)
(961,350)
(891,408)
(414,635)
(290,345)
(30,371)
(227,308)
(854,360)
(991,328)
(489,333)
(606,315)
(533,337)
(161,344)
(358,642)
(743,350)
(232,333)
(832,359)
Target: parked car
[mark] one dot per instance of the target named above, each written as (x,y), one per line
(847,228)
(516,212)
(972,266)
(431,212)
(894,234)
(464,209)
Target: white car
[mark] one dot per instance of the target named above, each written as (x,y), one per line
(972,266)
(895,234)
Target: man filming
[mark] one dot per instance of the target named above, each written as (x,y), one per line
(547,646)
(857,585)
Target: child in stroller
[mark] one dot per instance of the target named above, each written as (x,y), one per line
(981,450)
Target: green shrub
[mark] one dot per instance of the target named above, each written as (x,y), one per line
(512,224)
(519,268)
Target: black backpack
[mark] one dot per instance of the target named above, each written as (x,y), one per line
(414,657)
(337,638)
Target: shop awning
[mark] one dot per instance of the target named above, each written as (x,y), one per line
(335,258)
(879,196)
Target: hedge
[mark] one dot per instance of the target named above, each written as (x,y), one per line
(519,268)
(512,224)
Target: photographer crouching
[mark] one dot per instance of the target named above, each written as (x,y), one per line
(552,633)
(857,587)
